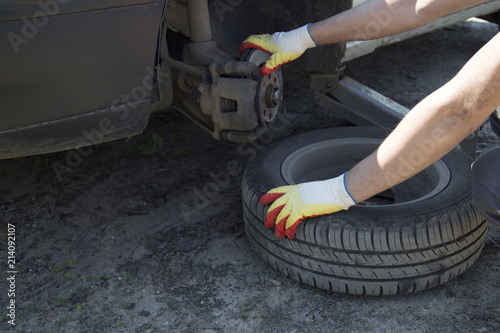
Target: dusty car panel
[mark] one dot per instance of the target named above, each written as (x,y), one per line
(62,74)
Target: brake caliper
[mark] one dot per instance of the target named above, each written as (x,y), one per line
(240,101)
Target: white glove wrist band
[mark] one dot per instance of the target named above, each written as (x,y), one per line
(295,41)
(339,192)
(331,191)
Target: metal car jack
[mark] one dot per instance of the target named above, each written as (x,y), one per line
(363,106)
(355,102)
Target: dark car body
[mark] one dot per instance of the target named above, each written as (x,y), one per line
(75,72)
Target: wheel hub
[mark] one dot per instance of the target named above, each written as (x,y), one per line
(269,89)
(269,97)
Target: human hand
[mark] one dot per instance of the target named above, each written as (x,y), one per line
(283,46)
(291,204)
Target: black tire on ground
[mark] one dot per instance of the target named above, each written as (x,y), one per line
(417,235)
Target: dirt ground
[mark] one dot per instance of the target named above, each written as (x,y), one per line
(128,242)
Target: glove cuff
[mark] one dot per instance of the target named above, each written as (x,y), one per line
(303,37)
(340,193)
(295,41)
(311,37)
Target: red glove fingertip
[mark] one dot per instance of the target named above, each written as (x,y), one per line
(266,70)
(272,215)
(279,229)
(290,232)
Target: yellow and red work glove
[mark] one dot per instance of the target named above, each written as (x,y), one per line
(283,46)
(291,204)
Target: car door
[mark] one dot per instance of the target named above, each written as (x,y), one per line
(74,73)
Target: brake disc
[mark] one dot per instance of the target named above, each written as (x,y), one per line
(269,91)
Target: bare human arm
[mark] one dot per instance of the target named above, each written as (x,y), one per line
(380,18)
(433,127)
